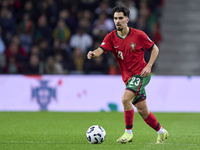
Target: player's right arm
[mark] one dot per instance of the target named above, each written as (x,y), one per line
(104,47)
(96,53)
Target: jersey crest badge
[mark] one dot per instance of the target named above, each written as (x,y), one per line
(132,45)
(44,94)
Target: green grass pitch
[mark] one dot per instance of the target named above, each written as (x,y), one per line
(66,131)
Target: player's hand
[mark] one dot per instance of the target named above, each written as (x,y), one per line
(90,54)
(146,71)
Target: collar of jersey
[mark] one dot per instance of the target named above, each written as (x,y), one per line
(125,36)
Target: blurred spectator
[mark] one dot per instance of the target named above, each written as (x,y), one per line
(15,6)
(67,64)
(70,16)
(14,51)
(25,30)
(16,40)
(53,67)
(61,55)
(51,13)
(12,66)
(34,50)
(28,8)
(47,8)
(42,30)
(4,4)
(86,20)
(78,58)
(104,8)
(85,24)
(133,10)
(65,46)
(32,67)
(70,22)
(87,14)
(74,10)
(102,23)
(12,5)
(44,50)
(7,23)
(64,14)
(81,40)
(62,32)
(56,48)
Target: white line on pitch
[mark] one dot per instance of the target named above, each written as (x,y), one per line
(69,142)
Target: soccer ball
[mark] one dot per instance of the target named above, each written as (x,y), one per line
(95,134)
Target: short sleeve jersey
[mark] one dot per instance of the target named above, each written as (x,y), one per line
(128,51)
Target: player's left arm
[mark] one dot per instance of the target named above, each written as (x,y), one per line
(154,54)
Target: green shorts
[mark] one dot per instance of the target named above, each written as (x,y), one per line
(137,84)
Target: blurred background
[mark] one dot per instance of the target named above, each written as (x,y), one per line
(52,37)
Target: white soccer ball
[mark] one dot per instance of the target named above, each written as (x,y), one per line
(95,134)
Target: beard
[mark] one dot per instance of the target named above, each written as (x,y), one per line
(119,28)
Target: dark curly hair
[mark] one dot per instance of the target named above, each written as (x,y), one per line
(125,10)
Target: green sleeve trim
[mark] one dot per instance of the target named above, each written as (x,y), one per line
(102,48)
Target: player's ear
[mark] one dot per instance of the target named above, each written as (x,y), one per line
(127,20)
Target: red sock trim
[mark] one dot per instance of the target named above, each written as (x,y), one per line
(152,122)
(128,117)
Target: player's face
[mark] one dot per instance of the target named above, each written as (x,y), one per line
(120,20)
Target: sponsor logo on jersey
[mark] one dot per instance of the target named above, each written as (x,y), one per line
(103,43)
(132,45)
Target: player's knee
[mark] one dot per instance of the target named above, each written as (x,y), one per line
(125,101)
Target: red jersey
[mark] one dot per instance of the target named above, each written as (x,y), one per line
(128,51)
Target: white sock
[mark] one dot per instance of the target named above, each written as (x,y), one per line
(129,131)
(161,131)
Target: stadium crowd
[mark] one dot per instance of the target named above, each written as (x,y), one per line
(53,36)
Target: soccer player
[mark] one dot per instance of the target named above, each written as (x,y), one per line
(128,45)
